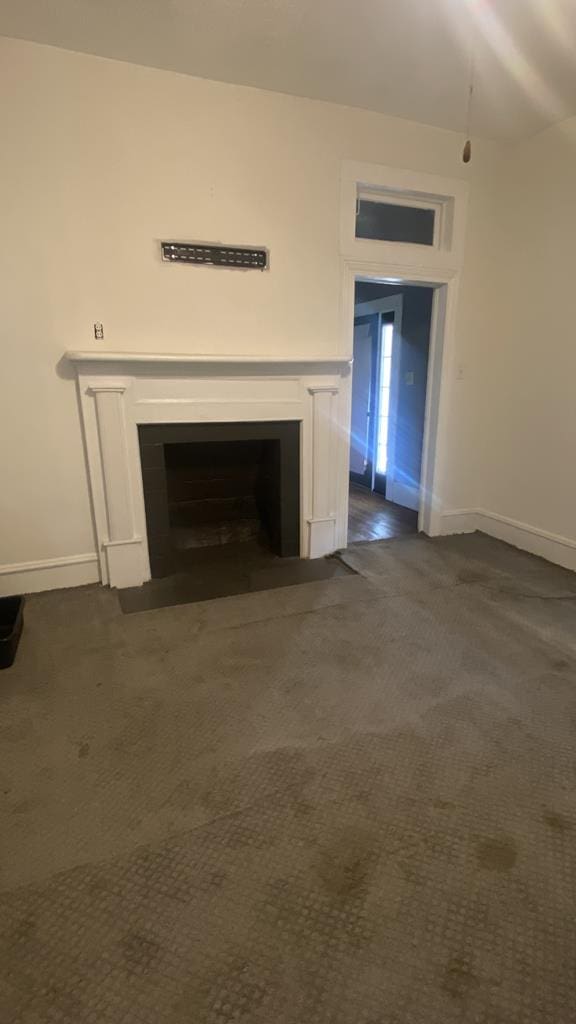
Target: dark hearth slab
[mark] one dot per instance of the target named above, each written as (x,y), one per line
(226,570)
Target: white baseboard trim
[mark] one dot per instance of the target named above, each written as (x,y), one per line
(403,494)
(551,546)
(49,574)
(78,570)
(460,520)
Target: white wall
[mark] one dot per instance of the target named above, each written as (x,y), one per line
(527,418)
(101,159)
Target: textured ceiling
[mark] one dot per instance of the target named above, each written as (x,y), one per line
(409,58)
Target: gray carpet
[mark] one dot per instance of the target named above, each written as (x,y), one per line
(347,802)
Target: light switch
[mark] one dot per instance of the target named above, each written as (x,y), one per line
(409,379)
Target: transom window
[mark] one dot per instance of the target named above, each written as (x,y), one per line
(391,222)
(386,215)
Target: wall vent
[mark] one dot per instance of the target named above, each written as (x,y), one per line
(243,257)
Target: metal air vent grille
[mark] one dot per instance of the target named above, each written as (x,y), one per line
(244,257)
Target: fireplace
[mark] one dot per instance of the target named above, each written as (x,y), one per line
(213,484)
(291,414)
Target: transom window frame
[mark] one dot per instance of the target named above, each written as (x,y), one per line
(447,197)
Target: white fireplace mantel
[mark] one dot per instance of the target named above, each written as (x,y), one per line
(120,390)
(155,359)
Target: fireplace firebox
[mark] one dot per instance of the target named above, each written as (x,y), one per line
(210,484)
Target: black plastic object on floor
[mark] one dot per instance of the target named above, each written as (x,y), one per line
(11,624)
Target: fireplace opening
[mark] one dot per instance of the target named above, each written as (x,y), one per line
(223,492)
(211,489)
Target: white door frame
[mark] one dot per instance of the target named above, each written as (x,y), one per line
(389,304)
(444,281)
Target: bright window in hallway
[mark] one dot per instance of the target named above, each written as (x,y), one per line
(384,398)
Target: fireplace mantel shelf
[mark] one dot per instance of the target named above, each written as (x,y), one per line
(158,359)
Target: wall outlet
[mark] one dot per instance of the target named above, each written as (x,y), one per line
(99,332)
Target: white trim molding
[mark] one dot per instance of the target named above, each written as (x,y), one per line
(458,520)
(440,371)
(49,574)
(160,360)
(447,196)
(551,546)
(119,391)
(436,266)
(322,522)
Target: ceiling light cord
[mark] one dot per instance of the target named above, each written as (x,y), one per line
(467,151)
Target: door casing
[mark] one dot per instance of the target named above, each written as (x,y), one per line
(372,321)
(445,283)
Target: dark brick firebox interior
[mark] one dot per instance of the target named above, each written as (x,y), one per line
(209,484)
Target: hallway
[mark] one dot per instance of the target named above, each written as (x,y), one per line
(371,517)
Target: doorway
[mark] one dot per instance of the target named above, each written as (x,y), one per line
(392,326)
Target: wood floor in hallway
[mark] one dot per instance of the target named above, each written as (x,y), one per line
(371,517)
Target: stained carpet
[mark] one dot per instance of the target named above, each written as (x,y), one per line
(346,802)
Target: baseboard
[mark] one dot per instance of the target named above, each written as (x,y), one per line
(403,494)
(321,537)
(49,574)
(78,570)
(461,520)
(551,546)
